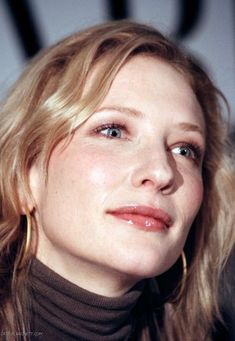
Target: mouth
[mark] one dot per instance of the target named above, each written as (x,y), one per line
(144,217)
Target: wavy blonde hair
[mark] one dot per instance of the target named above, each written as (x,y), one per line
(45,106)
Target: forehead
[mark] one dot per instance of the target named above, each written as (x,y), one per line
(152,85)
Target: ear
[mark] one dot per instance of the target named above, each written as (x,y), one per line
(30,199)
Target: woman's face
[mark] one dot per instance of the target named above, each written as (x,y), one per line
(121,197)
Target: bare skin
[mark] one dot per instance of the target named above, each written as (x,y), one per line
(143,148)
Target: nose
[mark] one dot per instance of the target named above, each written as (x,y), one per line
(154,170)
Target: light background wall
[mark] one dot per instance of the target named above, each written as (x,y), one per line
(212,41)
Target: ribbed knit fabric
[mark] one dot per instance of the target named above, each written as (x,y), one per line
(62,311)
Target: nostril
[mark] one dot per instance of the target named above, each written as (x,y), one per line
(147,182)
(157,173)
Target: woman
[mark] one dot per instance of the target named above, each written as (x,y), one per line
(116,192)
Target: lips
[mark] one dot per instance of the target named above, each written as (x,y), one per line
(144,217)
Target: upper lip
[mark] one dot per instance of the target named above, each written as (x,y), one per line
(156,213)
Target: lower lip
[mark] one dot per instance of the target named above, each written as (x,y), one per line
(142,222)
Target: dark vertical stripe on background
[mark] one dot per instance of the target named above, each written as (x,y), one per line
(118,9)
(25,26)
(190,12)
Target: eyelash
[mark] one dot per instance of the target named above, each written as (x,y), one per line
(111,126)
(196,150)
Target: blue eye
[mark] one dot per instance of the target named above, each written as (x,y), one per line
(111,130)
(188,151)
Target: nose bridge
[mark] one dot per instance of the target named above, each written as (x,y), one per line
(154,167)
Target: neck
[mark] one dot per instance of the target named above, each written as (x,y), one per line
(89,276)
(63,311)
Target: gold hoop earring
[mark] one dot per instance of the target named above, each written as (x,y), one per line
(26,247)
(185,272)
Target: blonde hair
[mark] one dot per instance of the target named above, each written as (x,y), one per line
(45,106)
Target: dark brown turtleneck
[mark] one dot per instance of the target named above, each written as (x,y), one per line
(62,311)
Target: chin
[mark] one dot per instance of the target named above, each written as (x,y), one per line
(142,267)
(144,272)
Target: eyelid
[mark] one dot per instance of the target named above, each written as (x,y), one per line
(196,149)
(98,130)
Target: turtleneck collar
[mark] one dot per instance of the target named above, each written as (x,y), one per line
(64,311)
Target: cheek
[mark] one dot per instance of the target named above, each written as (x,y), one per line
(77,183)
(85,171)
(192,199)
(196,193)
(96,173)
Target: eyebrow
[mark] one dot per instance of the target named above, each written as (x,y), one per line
(185,126)
(126,110)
